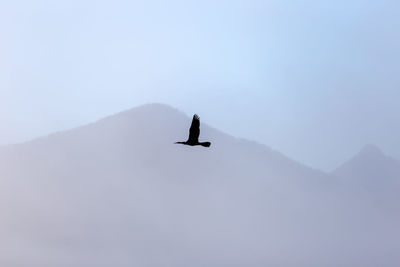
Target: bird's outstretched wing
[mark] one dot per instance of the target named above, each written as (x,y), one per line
(194,131)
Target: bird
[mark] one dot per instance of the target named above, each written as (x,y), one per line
(194,133)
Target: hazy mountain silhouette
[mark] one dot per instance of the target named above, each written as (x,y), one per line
(371,165)
(374,174)
(118,192)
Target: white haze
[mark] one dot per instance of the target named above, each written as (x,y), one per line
(118,192)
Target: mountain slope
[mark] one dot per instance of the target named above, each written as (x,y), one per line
(372,165)
(118,192)
(374,174)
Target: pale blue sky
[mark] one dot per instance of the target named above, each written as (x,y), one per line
(315,80)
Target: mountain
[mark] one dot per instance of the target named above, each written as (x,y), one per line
(373,173)
(372,165)
(118,192)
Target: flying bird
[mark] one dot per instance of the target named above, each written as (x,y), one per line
(194,134)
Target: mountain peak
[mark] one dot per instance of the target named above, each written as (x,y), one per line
(150,113)
(371,164)
(153,108)
(370,150)
(369,154)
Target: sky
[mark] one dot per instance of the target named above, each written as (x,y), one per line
(316,80)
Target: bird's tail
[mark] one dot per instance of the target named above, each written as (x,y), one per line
(205,144)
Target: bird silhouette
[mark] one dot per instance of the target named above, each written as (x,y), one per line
(194,134)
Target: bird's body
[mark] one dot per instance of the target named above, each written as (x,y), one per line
(194,134)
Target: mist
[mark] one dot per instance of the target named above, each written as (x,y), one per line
(299,100)
(119,192)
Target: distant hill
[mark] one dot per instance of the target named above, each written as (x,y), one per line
(371,165)
(373,173)
(118,192)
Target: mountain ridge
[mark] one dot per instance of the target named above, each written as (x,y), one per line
(119,192)
(159,110)
(368,157)
(162,108)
